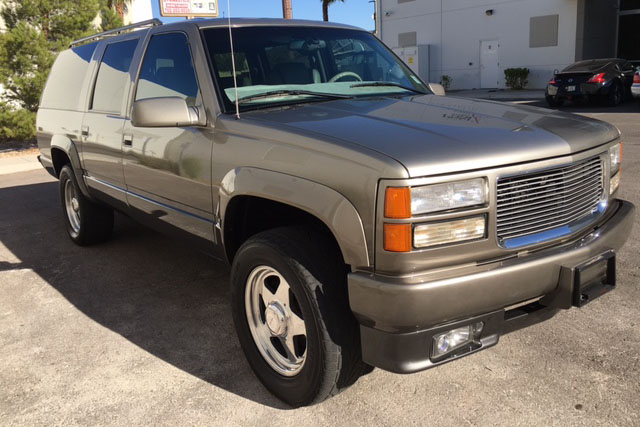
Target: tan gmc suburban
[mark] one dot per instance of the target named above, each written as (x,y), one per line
(368,221)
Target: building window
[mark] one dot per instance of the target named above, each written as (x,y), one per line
(407,39)
(624,4)
(404,1)
(543,31)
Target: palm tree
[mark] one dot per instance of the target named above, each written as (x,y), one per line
(287,12)
(118,5)
(325,8)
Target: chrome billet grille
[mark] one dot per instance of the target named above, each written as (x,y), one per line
(545,200)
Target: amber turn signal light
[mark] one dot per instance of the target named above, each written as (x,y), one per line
(397,203)
(397,237)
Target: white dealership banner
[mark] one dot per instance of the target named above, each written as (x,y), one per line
(189,8)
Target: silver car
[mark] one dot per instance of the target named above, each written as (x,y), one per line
(368,221)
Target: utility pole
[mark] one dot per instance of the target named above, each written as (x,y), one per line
(287,11)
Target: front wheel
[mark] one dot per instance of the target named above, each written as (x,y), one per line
(291,313)
(86,222)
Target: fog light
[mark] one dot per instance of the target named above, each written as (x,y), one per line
(615,182)
(454,339)
(441,233)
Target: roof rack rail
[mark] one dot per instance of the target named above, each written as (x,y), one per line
(148,23)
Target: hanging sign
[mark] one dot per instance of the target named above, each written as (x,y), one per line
(189,8)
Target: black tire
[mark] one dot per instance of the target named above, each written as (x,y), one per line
(553,102)
(616,95)
(94,223)
(311,263)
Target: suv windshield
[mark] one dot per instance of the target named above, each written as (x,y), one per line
(276,65)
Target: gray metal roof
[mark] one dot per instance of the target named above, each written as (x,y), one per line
(213,23)
(263,22)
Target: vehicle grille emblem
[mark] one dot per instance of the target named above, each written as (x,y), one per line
(570,80)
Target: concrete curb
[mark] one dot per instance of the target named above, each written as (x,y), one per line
(17,164)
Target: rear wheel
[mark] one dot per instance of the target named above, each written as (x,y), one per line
(554,102)
(292,316)
(86,222)
(616,95)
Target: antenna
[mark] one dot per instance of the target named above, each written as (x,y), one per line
(233,61)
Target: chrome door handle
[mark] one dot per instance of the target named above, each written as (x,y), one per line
(128,140)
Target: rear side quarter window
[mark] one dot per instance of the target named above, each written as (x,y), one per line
(64,86)
(113,76)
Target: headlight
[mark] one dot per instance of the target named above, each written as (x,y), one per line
(449,195)
(445,232)
(615,155)
(615,158)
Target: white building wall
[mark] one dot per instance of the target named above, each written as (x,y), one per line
(3,28)
(138,10)
(455,28)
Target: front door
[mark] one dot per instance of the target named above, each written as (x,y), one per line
(489,64)
(167,170)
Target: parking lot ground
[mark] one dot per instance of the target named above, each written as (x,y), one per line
(138,331)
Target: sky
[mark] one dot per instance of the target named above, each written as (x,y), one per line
(353,12)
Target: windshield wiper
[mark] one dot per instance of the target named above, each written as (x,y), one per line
(293,92)
(394,84)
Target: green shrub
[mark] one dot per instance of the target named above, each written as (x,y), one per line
(445,81)
(17,124)
(516,78)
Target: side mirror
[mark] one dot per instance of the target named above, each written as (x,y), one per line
(437,89)
(169,111)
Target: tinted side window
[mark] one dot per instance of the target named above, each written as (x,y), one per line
(113,76)
(167,69)
(63,88)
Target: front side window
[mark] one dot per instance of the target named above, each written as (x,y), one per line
(113,76)
(276,65)
(167,69)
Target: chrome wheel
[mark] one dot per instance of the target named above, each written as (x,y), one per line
(275,321)
(72,206)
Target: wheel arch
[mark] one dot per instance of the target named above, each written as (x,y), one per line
(291,198)
(63,152)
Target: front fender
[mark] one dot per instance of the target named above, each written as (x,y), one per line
(326,204)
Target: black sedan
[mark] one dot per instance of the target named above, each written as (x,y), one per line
(604,80)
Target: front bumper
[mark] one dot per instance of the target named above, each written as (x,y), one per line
(400,315)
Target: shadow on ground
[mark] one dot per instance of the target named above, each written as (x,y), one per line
(165,298)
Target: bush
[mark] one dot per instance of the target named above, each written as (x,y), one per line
(16,124)
(516,78)
(445,81)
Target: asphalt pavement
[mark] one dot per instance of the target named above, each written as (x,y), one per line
(138,331)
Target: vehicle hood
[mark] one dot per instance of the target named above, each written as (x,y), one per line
(432,135)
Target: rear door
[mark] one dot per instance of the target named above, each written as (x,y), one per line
(167,170)
(103,123)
